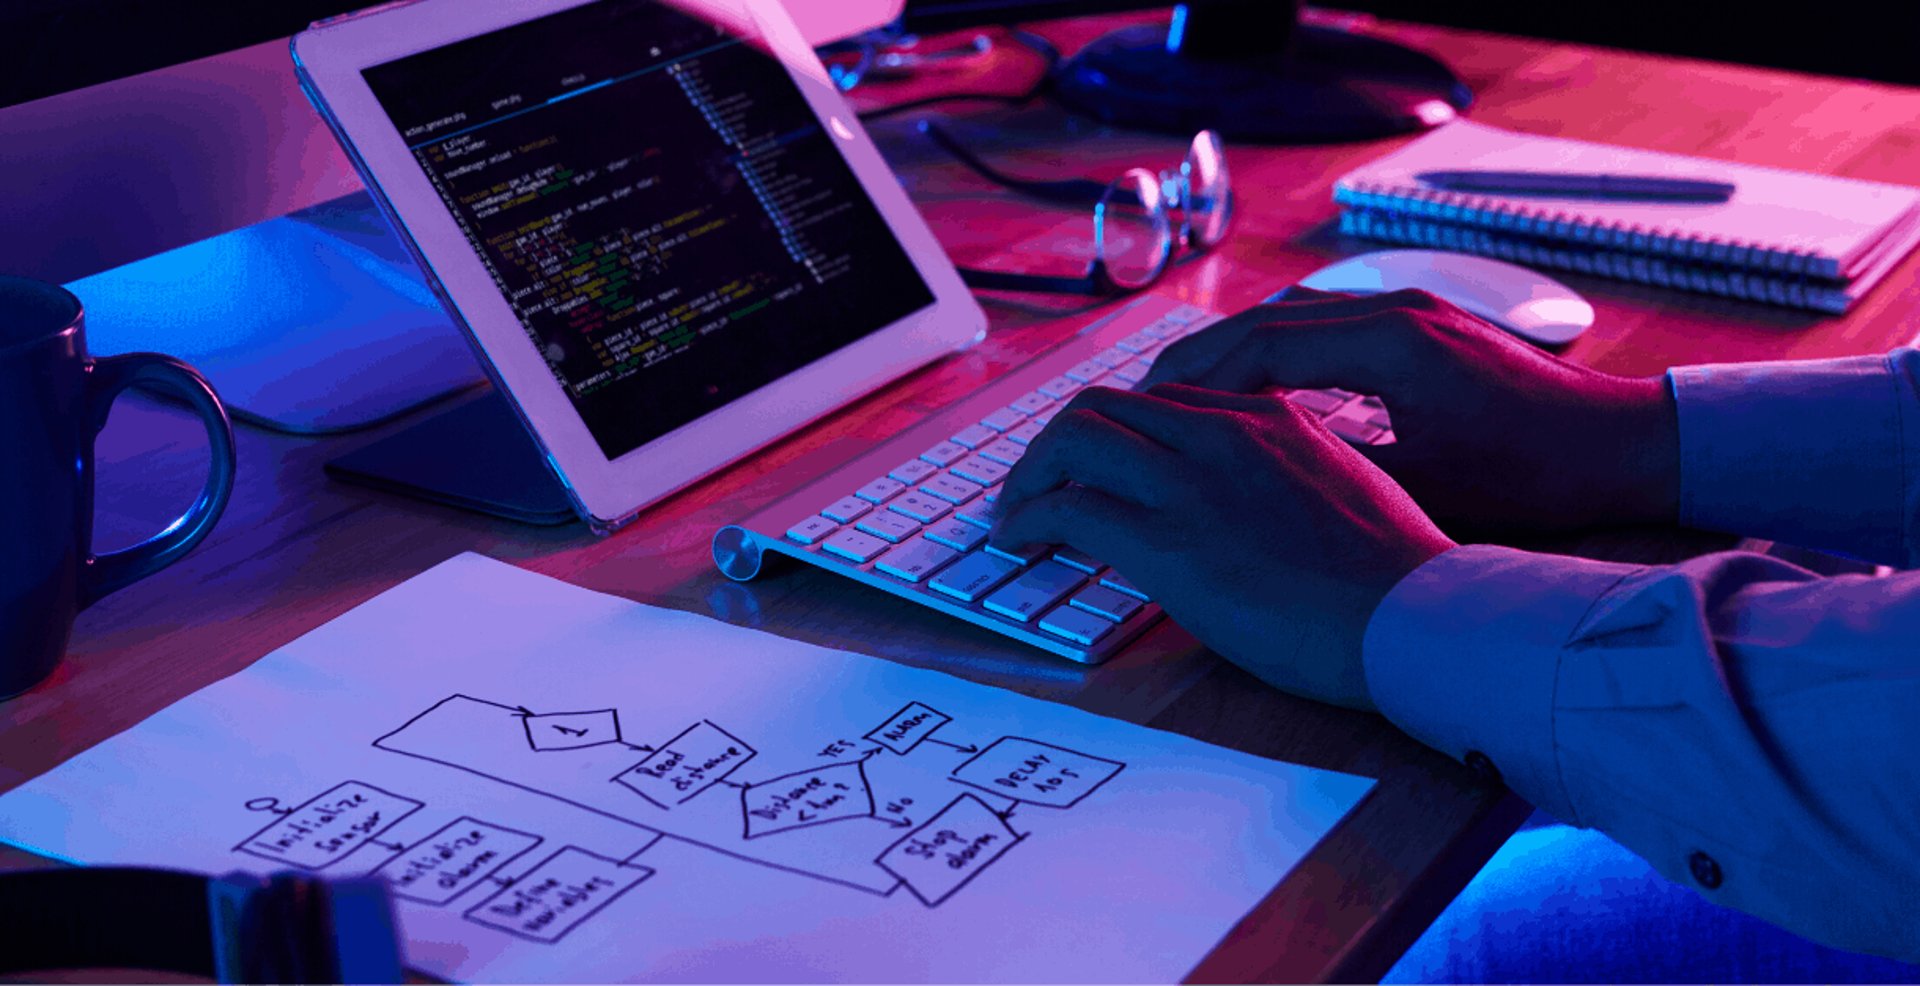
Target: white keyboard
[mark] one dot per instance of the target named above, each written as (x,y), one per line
(905,517)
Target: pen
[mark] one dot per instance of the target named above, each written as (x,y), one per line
(1585,186)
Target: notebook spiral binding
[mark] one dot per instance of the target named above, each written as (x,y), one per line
(1585,258)
(1523,219)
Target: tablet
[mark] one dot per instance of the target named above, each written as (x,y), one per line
(661,227)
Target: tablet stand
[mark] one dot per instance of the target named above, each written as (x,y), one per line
(475,455)
(312,323)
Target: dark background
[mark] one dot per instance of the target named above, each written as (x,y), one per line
(49,46)
(1869,39)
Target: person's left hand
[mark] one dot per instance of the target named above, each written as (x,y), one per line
(1254,527)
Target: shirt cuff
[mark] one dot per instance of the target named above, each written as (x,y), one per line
(1806,452)
(1464,655)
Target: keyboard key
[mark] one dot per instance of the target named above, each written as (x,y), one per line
(880,490)
(1088,371)
(1376,412)
(1102,601)
(916,560)
(984,471)
(1045,417)
(1076,625)
(1025,554)
(1113,580)
(921,507)
(1033,403)
(1353,428)
(945,453)
(1138,343)
(952,489)
(889,525)
(811,530)
(1035,591)
(855,546)
(955,532)
(1202,322)
(1004,452)
(911,471)
(1075,558)
(1132,373)
(1114,357)
(1026,433)
(1059,388)
(1318,401)
(975,515)
(848,510)
(973,576)
(974,436)
(1004,419)
(1185,314)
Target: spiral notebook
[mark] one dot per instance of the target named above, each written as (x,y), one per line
(1785,237)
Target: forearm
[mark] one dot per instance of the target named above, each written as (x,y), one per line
(1733,709)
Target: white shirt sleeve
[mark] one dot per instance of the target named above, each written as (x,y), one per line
(1751,729)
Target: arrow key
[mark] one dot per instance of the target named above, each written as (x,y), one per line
(1076,625)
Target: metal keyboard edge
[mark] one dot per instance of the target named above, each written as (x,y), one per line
(768,525)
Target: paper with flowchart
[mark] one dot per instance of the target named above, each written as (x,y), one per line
(559,784)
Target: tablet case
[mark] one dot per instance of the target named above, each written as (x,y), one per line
(475,455)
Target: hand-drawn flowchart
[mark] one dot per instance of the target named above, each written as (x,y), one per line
(897,807)
(563,785)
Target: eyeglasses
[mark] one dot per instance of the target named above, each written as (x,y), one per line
(1134,216)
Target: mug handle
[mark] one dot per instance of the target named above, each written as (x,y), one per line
(108,378)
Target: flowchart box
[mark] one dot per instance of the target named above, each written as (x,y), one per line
(572,730)
(321,831)
(560,891)
(810,797)
(906,728)
(1035,772)
(686,765)
(454,860)
(952,848)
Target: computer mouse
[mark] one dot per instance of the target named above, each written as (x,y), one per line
(1527,303)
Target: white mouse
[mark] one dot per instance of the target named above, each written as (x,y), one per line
(1526,303)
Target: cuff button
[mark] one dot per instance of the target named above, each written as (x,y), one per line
(1483,768)
(1706,872)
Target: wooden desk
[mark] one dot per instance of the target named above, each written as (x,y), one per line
(295,550)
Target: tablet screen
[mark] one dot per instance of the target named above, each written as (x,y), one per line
(657,201)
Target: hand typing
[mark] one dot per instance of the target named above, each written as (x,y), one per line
(1492,432)
(1264,535)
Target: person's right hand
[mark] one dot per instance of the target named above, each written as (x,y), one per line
(1490,431)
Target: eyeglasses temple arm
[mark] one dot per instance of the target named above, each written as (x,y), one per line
(995,280)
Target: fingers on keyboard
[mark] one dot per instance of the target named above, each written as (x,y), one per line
(925,522)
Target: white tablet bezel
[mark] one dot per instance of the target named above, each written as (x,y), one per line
(329,60)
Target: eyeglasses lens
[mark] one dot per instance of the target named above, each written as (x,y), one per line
(1210,195)
(1132,230)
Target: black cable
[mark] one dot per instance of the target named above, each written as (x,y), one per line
(1048,53)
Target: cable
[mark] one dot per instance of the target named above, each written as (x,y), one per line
(1049,54)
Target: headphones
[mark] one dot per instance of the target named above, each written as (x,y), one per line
(288,928)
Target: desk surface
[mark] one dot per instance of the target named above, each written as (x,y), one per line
(295,550)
